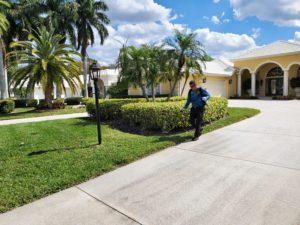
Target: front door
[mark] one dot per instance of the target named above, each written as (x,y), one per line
(274,86)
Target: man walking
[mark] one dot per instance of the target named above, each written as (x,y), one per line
(198,97)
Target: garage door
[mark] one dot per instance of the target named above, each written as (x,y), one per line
(216,87)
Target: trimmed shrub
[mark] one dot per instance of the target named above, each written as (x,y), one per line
(7,106)
(32,103)
(21,103)
(73,101)
(58,104)
(166,116)
(109,109)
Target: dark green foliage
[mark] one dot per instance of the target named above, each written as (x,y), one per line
(7,106)
(73,101)
(295,82)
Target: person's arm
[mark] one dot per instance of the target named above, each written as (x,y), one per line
(188,102)
(205,95)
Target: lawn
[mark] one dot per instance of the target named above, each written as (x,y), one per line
(38,159)
(29,112)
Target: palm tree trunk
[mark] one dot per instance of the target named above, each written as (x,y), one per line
(48,96)
(144,91)
(85,76)
(3,75)
(153,92)
(186,79)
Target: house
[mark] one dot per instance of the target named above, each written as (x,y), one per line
(262,72)
(268,70)
(107,78)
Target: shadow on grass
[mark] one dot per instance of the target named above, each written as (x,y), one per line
(176,139)
(41,152)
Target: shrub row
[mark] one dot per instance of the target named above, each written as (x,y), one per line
(22,103)
(166,116)
(73,101)
(111,109)
(7,106)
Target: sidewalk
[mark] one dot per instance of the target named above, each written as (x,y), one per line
(43,118)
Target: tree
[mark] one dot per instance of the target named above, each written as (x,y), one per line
(90,15)
(132,65)
(185,45)
(4,24)
(44,60)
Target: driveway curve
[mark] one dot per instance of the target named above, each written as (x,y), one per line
(244,174)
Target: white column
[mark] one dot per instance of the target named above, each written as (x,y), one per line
(239,85)
(286,83)
(253,84)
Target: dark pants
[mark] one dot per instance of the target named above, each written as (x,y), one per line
(196,120)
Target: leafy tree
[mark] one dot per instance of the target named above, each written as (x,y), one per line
(90,15)
(132,65)
(44,60)
(185,46)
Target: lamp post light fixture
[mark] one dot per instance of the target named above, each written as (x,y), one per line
(95,76)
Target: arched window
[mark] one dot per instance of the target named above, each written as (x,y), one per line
(275,72)
(298,72)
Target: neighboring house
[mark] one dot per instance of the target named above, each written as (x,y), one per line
(268,70)
(217,78)
(108,77)
(262,72)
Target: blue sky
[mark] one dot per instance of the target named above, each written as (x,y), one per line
(227,28)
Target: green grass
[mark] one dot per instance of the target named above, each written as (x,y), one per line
(29,112)
(38,159)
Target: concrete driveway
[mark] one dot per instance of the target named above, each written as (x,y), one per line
(247,173)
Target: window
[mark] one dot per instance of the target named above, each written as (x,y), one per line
(156,89)
(275,72)
(298,72)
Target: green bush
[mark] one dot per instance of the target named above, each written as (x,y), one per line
(32,103)
(7,106)
(167,116)
(73,101)
(58,104)
(109,109)
(21,103)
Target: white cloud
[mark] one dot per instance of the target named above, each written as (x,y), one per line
(297,36)
(135,11)
(227,45)
(215,20)
(280,12)
(256,32)
(223,14)
(226,21)
(216,1)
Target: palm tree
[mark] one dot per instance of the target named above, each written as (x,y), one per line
(132,65)
(44,60)
(4,24)
(192,68)
(90,15)
(185,46)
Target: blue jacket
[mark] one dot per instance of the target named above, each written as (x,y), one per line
(195,97)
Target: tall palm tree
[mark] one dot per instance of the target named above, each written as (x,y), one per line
(90,15)
(4,24)
(185,46)
(44,60)
(132,65)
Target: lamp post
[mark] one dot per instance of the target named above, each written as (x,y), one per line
(95,76)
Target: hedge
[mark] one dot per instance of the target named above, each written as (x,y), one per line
(167,116)
(7,106)
(111,108)
(73,101)
(22,103)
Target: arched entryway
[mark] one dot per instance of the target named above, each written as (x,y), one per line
(294,71)
(270,79)
(274,82)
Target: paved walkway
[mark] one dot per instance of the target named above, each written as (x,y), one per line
(244,174)
(43,118)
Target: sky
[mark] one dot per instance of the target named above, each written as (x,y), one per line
(226,28)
